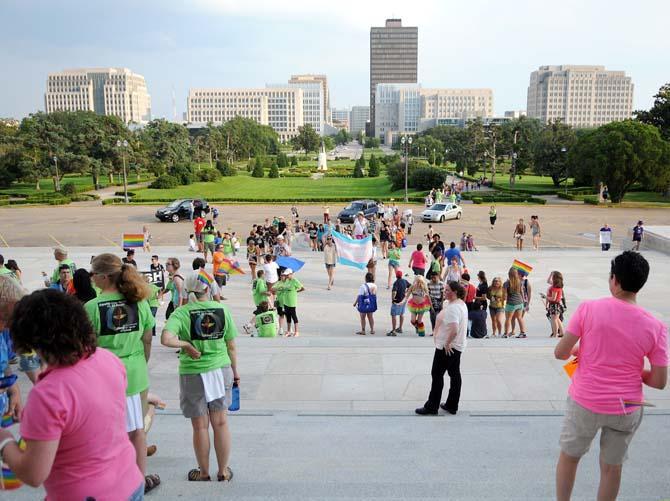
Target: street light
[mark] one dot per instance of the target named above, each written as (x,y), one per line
(406,141)
(123,145)
(564,150)
(57,184)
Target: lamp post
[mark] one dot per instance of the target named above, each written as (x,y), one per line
(406,141)
(512,178)
(123,145)
(564,150)
(57,185)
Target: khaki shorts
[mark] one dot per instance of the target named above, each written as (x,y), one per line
(192,399)
(581,425)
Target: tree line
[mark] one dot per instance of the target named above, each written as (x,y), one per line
(618,154)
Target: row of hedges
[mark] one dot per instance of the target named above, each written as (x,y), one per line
(507,199)
(141,201)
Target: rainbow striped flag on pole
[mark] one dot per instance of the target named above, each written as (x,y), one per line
(230,267)
(133,240)
(522,268)
(205,277)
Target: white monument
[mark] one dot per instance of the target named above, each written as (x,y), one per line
(322,158)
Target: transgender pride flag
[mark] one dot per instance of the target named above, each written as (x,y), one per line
(352,252)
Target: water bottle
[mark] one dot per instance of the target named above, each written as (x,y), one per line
(235,405)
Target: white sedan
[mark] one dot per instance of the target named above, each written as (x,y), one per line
(441,212)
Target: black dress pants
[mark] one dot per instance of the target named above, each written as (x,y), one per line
(451,364)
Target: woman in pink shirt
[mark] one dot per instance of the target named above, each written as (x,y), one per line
(417,261)
(74,421)
(615,336)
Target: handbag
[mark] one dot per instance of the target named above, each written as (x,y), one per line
(367,303)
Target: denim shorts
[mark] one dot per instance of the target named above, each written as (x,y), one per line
(397,309)
(29,363)
(511,308)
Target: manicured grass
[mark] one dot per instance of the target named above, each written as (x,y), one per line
(83,183)
(646,197)
(244,187)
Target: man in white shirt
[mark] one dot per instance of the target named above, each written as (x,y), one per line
(360,226)
(451,328)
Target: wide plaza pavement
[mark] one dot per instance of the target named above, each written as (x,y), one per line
(329,415)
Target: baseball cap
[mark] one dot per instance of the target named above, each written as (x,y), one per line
(398,274)
(287,271)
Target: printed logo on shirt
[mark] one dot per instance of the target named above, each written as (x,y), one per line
(267,319)
(118,317)
(207,325)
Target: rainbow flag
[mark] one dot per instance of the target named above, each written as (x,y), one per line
(133,240)
(230,267)
(205,277)
(7,421)
(522,268)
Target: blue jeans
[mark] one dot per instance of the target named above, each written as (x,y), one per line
(138,495)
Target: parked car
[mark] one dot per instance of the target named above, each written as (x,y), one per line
(179,209)
(367,207)
(440,212)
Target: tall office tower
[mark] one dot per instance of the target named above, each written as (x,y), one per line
(393,58)
(313,97)
(582,96)
(360,115)
(296,79)
(278,107)
(340,118)
(106,91)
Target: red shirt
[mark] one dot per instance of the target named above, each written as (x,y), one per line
(557,291)
(199,224)
(470,293)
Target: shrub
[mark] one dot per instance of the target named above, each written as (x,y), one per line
(358,170)
(120,193)
(294,161)
(274,171)
(183,173)
(282,161)
(164,182)
(208,175)
(591,200)
(258,170)
(476,200)
(427,178)
(225,168)
(68,189)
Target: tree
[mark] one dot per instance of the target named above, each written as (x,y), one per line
(372,142)
(620,154)
(167,144)
(258,169)
(342,137)
(373,166)
(358,170)
(550,151)
(518,137)
(225,168)
(659,114)
(361,138)
(282,160)
(307,139)
(274,171)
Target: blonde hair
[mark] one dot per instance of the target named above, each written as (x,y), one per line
(494,281)
(420,283)
(514,280)
(11,292)
(125,277)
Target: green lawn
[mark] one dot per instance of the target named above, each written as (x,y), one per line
(244,187)
(83,183)
(646,197)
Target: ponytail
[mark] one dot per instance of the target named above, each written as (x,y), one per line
(130,283)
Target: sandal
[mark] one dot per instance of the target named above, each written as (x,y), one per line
(195,476)
(151,482)
(227,475)
(360,333)
(372,333)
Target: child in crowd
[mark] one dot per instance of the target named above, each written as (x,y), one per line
(418,304)
(470,243)
(464,242)
(236,243)
(266,320)
(192,246)
(398,301)
(436,293)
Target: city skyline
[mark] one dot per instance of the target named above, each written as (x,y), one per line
(257,42)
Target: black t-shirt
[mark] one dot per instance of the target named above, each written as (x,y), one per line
(251,239)
(399,290)
(482,290)
(439,245)
(281,226)
(156,267)
(129,261)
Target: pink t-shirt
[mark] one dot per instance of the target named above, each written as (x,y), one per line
(418,260)
(84,407)
(614,339)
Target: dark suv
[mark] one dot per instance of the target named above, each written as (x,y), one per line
(179,209)
(367,207)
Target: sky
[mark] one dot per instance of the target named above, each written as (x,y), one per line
(177,45)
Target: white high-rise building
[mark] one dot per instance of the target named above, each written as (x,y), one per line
(106,91)
(297,79)
(313,98)
(456,103)
(360,115)
(397,109)
(581,96)
(278,107)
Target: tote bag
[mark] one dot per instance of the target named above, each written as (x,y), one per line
(367,303)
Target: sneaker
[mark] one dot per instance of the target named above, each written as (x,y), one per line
(422,411)
(521,335)
(445,408)
(398,331)
(391,333)
(247,329)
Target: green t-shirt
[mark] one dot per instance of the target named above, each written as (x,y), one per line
(435,266)
(6,271)
(209,236)
(259,290)
(120,326)
(55,276)
(227,246)
(289,292)
(266,323)
(207,325)
(394,255)
(153,299)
